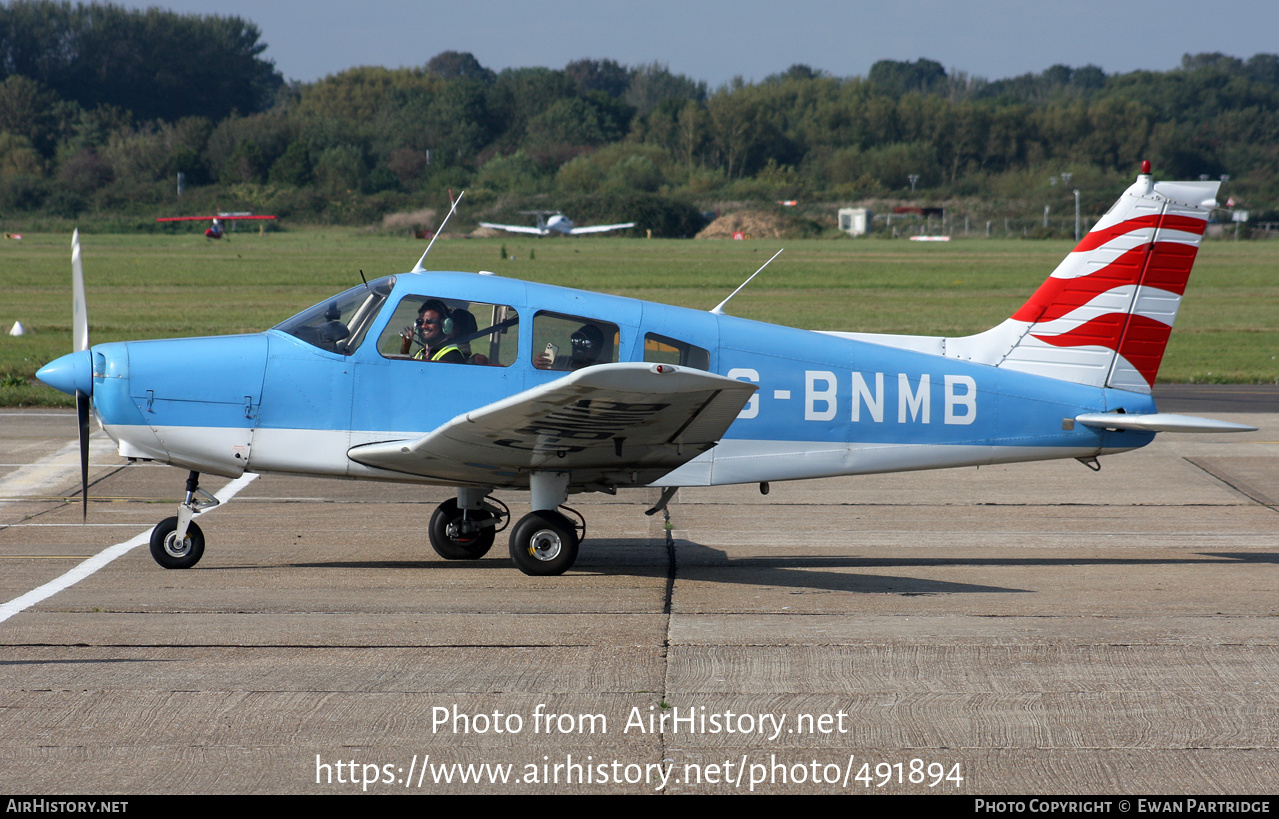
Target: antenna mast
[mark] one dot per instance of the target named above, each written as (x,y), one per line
(418,268)
(719,308)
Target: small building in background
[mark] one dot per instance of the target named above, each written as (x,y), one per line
(855,221)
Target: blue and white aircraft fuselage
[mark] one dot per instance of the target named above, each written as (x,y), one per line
(271,402)
(648,394)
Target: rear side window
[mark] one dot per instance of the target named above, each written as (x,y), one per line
(564,342)
(666,350)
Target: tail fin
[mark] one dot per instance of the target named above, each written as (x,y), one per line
(1103,317)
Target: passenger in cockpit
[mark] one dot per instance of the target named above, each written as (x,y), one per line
(462,333)
(586,345)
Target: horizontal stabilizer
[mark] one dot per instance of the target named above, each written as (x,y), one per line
(1159,422)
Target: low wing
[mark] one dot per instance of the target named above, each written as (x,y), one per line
(514,228)
(599,228)
(224,218)
(610,425)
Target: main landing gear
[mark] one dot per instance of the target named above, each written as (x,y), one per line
(543,543)
(463,529)
(177,542)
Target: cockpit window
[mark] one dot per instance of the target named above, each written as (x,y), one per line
(451,331)
(339,324)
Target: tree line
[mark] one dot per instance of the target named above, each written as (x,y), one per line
(101,108)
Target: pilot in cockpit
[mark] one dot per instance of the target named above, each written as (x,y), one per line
(430,332)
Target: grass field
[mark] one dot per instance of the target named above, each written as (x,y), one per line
(153,286)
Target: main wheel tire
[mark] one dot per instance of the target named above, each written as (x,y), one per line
(543,544)
(469,547)
(171,554)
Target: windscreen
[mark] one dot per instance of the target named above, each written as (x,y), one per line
(339,324)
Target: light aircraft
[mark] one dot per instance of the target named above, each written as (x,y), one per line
(359,386)
(214,231)
(552,221)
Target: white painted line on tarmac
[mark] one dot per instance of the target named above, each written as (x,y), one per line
(53,472)
(76,525)
(104,557)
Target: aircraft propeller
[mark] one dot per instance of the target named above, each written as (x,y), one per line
(80,343)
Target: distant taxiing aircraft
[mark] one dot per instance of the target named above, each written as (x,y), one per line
(215,230)
(552,221)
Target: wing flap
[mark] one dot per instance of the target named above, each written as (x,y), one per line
(625,423)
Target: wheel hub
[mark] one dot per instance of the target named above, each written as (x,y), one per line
(545,545)
(175,548)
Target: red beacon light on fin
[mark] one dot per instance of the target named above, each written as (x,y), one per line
(1145,166)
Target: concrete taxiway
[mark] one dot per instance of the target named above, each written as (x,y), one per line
(1035,628)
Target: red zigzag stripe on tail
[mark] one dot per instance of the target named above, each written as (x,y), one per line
(1168,268)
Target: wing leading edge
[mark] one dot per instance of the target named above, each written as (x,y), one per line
(610,425)
(515,228)
(577,231)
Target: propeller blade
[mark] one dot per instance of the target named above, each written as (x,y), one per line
(79,342)
(82,416)
(79,310)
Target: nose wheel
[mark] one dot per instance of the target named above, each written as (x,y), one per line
(544,543)
(177,542)
(172,551)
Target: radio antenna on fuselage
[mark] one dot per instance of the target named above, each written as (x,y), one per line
(719,308)
(418,268)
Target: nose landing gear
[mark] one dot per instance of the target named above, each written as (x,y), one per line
(177,542)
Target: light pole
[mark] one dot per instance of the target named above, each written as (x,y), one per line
(1066,176)
(1225,177)
(914,177)
(1076,214)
